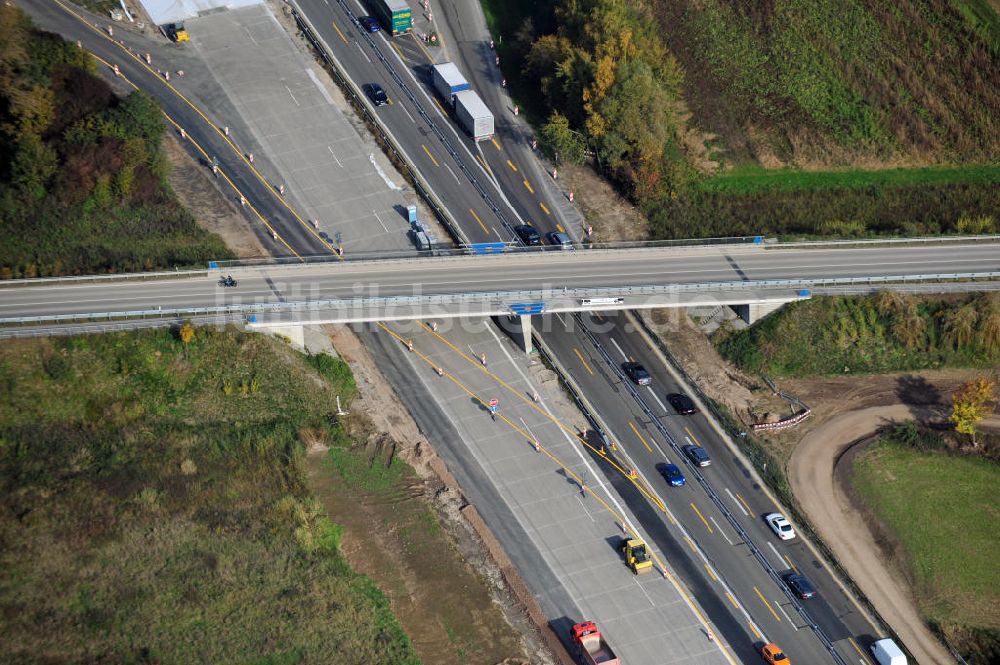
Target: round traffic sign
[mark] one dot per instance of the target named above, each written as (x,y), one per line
(494,402)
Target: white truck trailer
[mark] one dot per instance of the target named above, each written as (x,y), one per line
(473,115)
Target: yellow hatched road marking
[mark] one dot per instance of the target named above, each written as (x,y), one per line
(480,221)
(634,429)
(580,356)
(334,24)
(428,151)
(704,521)
(764,600)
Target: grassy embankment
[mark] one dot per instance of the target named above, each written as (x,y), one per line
(825,95)
(83,177)
(155,506)
(887,332)
(945,542)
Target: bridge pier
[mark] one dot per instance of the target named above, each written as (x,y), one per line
(518,327)
(753,312)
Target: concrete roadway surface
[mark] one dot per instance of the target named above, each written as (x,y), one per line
(551,510)
(755,584)
(484,274)
(75,24)
(433,144)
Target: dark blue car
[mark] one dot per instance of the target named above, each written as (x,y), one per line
(672,474)
(369,23)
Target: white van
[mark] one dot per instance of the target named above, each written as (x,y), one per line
(887,653)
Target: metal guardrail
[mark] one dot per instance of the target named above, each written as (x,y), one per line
(493,298)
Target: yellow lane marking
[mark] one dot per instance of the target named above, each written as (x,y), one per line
(598,316)
(634,429)
(691,434)
(428,151)
(496,145)
(528,186)
(744,502)
(756,632)
(580,356)
(440,106)
(398,50)
(546,210)
(711,573)
(569,472)
(192,141)
(334,24)
(691,544)
(483,162)
(859,650)
(732,600)
(480,221)
(511,165)
(217,128)
(704,521)
(790,564)
(572,431)
(764,600)
(560,228)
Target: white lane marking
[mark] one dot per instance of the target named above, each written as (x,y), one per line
(781,562)
(786,614)
(292,96)
(247,30)
(528,430)
(584,506)
(625,357)
(720,529)
(322,88)
(380,221)
(562,320)
(362,51)
(400,105)
(738,504)
(334,156)
(453,174)
(659,401)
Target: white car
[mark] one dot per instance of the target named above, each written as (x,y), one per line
(782,528)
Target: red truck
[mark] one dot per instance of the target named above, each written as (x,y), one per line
(593,649)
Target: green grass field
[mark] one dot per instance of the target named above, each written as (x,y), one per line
(753,179)
(155,508)
(944,512)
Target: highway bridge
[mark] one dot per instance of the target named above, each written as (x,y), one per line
(756,277)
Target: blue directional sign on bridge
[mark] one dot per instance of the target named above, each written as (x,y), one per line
(488,247)
(525,308)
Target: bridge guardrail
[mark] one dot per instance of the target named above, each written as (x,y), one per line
(491,298)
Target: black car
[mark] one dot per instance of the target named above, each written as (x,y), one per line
(637,373)
(682,404)
(528,234)
(376,94)
(698,455)
(800,586)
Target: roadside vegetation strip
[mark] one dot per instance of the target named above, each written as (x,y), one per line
(155,504)
(216,127)
(84,189)
(889,331)
(190,139)
(606,456)
(945,541)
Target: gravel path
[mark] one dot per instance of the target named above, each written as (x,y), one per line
(811,473)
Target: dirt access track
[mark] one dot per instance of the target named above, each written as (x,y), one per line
(812,473)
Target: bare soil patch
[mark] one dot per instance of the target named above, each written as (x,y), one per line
(612,216)
(214,212)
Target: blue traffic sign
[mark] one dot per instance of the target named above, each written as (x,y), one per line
(212,265)
(524,308)
(488,247)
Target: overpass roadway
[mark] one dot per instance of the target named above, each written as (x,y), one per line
(638,273)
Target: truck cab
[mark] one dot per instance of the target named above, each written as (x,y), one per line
(591,646)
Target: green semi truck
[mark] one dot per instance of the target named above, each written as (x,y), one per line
(395,15)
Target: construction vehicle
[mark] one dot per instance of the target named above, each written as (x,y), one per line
(175,32)
(591,645)
(636,555)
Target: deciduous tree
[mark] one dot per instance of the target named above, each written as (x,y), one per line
(970,404)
